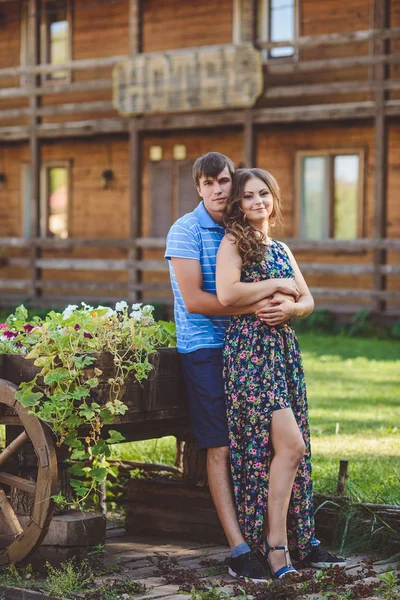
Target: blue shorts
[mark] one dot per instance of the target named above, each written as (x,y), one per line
(202,371)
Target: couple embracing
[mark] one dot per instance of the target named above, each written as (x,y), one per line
(236,289)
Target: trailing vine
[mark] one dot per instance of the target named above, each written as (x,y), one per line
(65,348)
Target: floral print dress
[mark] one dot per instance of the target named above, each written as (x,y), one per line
(263,372)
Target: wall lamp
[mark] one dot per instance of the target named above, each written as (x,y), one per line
(106,177)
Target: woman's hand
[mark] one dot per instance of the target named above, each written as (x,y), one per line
(288,286)
(280,309)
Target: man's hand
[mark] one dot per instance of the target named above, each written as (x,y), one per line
(278,310)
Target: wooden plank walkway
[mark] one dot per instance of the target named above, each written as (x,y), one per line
(138,558)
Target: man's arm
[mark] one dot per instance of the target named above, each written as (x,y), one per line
(190,281)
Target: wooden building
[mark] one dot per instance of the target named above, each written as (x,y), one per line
(105,104)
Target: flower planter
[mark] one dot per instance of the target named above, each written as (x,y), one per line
(163,392)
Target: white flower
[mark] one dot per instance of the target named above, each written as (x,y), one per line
(148,308)
(87,306)
(136,315)
(110,312)
(68,311)
(120,306)
(136,306)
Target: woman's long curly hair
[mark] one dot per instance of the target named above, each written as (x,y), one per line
(250,241)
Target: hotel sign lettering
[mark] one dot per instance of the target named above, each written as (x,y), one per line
(205,78)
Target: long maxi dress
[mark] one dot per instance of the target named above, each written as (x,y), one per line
(263,372)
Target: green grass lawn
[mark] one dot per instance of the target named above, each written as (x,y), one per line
(354,398)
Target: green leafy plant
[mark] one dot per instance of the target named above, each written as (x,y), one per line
(18,577)
(68,578)
(65,347)
(390,585)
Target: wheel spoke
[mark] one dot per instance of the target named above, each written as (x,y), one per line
(13,447)
(18,482)
(11,518)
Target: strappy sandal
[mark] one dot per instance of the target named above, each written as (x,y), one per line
(283,570)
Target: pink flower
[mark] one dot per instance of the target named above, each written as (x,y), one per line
(28,327)
(3,326)
(77,327)
(87,335)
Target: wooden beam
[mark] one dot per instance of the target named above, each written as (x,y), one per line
(248,21)
(333,38)
(327,245)
(57,89)
(83,128)
(327,64)
(339,88)
(82,264)
(34,144)
(249,147)
(134,275)
(315,112)
(382,20)
(75,107)
(18,482)
(135,41)
(72,65)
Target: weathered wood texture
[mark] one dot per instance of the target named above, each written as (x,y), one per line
(43,488)
(174,24)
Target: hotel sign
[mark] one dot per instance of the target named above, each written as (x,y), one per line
(205,78)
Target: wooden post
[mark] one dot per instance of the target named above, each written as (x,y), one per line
(382,8)
(134,161)
(34,104)
(248,34)
(194,465)
(342,478)
(248,20)
(135,33)
(249,154)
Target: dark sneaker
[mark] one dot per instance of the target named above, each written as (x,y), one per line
(320,558)
(247,567)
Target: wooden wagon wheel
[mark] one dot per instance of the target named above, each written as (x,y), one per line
(25,540)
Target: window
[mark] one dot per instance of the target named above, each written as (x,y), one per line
(277,22)
(55,38)
(330,194)
(54,212)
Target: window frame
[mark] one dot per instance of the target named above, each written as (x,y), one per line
(263,31)
(330,154)
(47,78)
(44,196)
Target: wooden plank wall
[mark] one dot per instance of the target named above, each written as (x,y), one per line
(319,18)
(175,24)
(10,55)
(197,143)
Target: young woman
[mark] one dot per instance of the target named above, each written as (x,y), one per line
(265,389)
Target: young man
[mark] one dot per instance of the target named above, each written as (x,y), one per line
(201,321)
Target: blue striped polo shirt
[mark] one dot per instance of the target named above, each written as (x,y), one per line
(196,236)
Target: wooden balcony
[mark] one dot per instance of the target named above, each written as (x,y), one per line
(287,101)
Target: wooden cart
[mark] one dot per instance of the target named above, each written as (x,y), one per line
(154,410)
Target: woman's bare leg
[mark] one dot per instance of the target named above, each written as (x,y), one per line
(288,449)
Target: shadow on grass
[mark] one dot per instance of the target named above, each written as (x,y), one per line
(348,347)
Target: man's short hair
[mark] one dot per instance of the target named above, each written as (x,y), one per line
(211,165)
